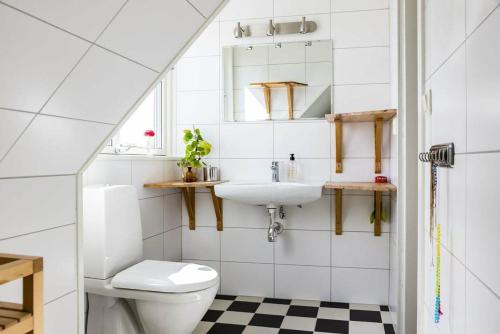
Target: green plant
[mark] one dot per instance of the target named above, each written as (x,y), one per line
(196,149)
(383,216)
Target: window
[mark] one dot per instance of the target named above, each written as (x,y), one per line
(150,115)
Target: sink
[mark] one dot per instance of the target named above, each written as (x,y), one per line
(270,193)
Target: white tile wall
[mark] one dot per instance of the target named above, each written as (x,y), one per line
(360,250)
(248,279)
(36,65)
(12,124)
(246,245)
(361,66)
(355,5)
(463,57)
(445,30)
(299,264)
(56,324)
(352,285)
(302,282)
(56,145)
(347,31)
(482,307)
(58,248)
(111,75)
(144,24)
(482,86)
(34,208)
(83,19)
(303,247)
(289,138)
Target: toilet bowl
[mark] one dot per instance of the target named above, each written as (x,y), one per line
(129,295)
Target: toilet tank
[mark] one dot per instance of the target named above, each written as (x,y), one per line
(112,232)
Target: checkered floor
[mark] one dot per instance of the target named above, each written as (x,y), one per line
(252,315)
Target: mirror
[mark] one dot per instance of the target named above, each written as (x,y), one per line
(278,81)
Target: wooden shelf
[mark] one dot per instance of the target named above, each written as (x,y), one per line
(278,84)
(188,193)
(377,188)
(365,186)
(182,184)
(28,316)
(363,116)
(376,116)
(267,93)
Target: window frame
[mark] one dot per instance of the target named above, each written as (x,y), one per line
(163,126)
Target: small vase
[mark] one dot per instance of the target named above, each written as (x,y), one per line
(189,175)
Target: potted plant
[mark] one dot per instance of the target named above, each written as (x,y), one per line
(196,149)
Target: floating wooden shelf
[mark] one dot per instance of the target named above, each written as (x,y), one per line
(376,116)
(188,192)
(365,186)
(28,316)
(267,93)
(377,188)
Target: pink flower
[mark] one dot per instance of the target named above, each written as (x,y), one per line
(149,133)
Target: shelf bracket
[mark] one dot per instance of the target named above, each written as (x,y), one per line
(217,201)
(289,90)
(338,211)
(378,145)
(267,97)
(378,214)
(338,146)
(189,199)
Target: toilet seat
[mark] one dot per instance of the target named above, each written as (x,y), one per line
(166,277)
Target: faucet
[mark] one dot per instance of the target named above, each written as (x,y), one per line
(275,169)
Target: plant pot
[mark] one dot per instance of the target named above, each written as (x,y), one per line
(189,174)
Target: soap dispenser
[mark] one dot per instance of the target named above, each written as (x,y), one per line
(292,169)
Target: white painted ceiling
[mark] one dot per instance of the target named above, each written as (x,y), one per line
(71,70)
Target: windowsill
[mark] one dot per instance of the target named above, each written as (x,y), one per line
(121,156)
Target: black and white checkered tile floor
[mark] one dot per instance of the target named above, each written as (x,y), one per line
(252,315)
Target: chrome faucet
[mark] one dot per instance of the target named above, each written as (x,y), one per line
(275,169)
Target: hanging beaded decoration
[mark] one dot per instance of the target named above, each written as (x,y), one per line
(434,182)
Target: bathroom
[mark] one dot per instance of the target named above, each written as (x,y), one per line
(353,89)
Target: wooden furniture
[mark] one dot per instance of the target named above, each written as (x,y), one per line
(28,316)
(267,93)
(188,192)
(377,188)
(376,116)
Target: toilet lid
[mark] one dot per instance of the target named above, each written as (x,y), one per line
(164,276)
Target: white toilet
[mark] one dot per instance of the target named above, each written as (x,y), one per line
(127,295)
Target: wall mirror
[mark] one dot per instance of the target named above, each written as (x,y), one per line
(278,81)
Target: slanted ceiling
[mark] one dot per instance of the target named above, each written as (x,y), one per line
(70,72)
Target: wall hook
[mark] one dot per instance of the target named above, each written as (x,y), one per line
(303,26)
(270,28)
(238,32)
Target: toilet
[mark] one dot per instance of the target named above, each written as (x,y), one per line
(125,293)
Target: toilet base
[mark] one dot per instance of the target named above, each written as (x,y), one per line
(110,315)
(175,317)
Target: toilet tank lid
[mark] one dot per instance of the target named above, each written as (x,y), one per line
(164,276)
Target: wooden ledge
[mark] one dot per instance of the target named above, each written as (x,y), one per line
(278,84)
(182,184)
(365,186)
(363,116)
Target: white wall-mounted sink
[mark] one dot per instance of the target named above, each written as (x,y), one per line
(270,193)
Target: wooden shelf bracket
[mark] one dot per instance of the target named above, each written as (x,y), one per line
(189,194)
(376,188)
(267,93)
(378,117)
